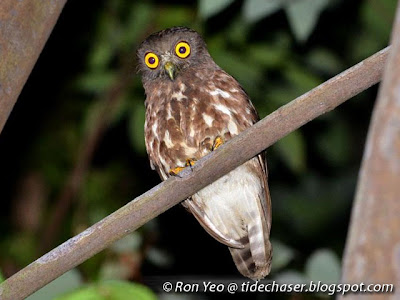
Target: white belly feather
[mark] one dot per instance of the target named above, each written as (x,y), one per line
(231,202)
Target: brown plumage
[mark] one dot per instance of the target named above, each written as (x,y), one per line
(190,102)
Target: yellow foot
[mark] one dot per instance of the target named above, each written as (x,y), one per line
(189,163)
(217,142)
(176,171)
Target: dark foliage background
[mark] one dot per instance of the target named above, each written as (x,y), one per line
(82,108)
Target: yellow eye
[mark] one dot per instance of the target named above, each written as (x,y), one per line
(151,60)
(182,49)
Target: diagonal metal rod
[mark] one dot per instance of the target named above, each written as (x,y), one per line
(249,143)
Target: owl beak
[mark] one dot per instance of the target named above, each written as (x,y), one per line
(170,68)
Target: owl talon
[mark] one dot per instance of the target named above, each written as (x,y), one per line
(217,143)
(176,171)
(189,163)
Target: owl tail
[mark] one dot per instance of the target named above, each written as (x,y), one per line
(254,260)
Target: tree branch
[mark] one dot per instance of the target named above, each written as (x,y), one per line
(373,246)
(24,29)
(169,193)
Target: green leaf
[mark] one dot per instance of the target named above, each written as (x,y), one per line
(96,82)
(363,46)
(175,14)
(325,61)
(323,265)
(113,289)
(303,16)
(100,55)
(1,277)
(334,143)
(254,10)
(237,33)
(282,255)
(21,247)
(137,21)
(376,23)
(208,8)
(300,78)
(103,44)
(267,55)
(89,293)
(377,17)
(292,150)
(65,283)
(249,75)
(280,94)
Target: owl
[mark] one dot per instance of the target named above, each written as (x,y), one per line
(193,107)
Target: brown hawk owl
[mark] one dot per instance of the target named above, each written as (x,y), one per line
(192,107)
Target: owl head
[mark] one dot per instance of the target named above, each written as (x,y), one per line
(167,54)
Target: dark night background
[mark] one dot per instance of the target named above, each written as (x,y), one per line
(84,87)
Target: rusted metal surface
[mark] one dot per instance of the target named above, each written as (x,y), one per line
(373,247)
(25,26)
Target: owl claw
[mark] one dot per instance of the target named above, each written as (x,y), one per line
(217,143)
(176,171)
(189,163)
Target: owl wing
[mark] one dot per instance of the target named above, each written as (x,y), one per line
(266,205)
(209,226)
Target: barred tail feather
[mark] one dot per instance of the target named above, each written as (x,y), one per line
(254,260)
